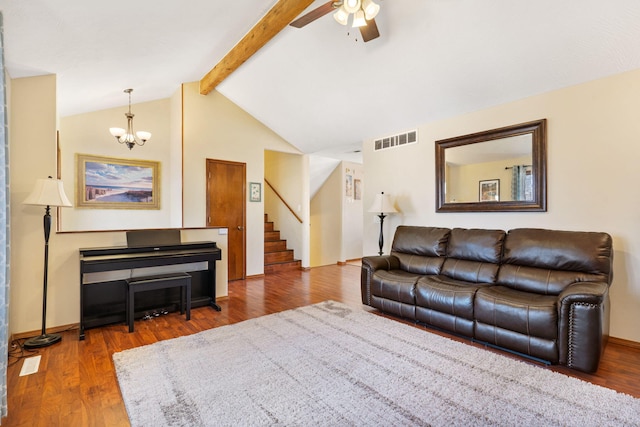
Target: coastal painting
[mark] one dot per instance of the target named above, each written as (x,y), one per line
(112,183)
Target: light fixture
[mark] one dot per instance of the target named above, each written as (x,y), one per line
(382,205)
(370,9)
(128,136)
(362,10)
(47,192)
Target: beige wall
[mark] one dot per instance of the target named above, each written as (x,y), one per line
(463,182)
(289,175)
(89,134)
(593,150)
(216,128)
(336,217)
(326,220)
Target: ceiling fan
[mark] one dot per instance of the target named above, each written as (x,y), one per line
(364,12)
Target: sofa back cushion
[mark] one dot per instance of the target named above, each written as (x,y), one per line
(547,261)
(474,255)
(420,250)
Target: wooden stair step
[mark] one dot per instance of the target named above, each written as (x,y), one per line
(282,266)
(268,226)
(270,236)
(275,245)
(280,256)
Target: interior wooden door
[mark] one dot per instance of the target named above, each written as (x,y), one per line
(226,184)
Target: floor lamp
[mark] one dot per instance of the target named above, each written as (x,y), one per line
(47,192)
(382,205)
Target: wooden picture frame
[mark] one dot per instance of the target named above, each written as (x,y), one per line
(489,190)
(113,183)
(255,192)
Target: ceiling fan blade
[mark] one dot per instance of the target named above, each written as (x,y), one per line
(313,15)
(369,31)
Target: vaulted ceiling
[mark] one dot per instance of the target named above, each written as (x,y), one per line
(320,87)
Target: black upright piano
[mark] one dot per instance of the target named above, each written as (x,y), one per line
(102,301)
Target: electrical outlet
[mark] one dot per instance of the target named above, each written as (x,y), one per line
(30,365)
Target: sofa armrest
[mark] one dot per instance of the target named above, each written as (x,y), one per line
(370,264)
(584,324)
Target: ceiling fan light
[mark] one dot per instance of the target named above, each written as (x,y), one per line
(351,6)
(341,16)
(370,9)
(358,19)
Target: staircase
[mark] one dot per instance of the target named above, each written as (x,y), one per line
(277,257)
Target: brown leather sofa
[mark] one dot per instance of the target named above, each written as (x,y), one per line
(540,293)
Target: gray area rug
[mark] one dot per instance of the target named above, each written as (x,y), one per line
(332,365)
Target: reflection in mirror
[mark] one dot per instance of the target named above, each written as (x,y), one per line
(498,170)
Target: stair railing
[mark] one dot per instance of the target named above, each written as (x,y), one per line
(283,201)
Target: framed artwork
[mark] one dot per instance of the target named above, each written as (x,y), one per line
(255,192)
(112,183)
(489,190)
(357,189)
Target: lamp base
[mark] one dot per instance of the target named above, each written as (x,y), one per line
(42,341)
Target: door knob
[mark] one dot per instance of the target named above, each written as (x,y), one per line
(240,228)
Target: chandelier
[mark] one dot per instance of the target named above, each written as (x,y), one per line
(362,10)
(128,136)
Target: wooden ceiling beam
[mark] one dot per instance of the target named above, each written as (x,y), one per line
(278,17)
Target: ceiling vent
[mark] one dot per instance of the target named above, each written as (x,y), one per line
(405,138)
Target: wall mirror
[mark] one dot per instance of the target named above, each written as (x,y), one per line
(498,170)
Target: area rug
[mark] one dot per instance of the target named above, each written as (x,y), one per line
(332,365)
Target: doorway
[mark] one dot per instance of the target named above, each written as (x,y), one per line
(226,183)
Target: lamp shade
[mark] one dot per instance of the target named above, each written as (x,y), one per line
(382,203)
(48,192)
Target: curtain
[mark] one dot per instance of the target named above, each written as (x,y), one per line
(521,183)
(4,231)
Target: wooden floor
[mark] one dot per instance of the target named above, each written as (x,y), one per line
(76,384)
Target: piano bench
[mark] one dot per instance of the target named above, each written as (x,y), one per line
(163,281)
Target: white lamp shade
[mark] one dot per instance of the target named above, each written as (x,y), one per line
(358,19)
(351,6)
(382,203)
(48,192)
(144,136)
(370,9)
(117,132)
(341,16)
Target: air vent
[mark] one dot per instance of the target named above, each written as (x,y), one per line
(405,138)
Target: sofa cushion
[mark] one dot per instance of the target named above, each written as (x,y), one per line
(523,312)
(547,261)
(474,255)
(395,285)
(447,295)
(420,250)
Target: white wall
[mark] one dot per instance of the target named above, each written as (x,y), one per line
(216,128)
(593,146)
(352,208)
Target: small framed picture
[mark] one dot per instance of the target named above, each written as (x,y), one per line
(255,192)
(489,190)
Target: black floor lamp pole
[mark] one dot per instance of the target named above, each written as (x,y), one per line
(44,339)
(381,238)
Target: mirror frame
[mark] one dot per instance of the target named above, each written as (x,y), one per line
(538,131)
